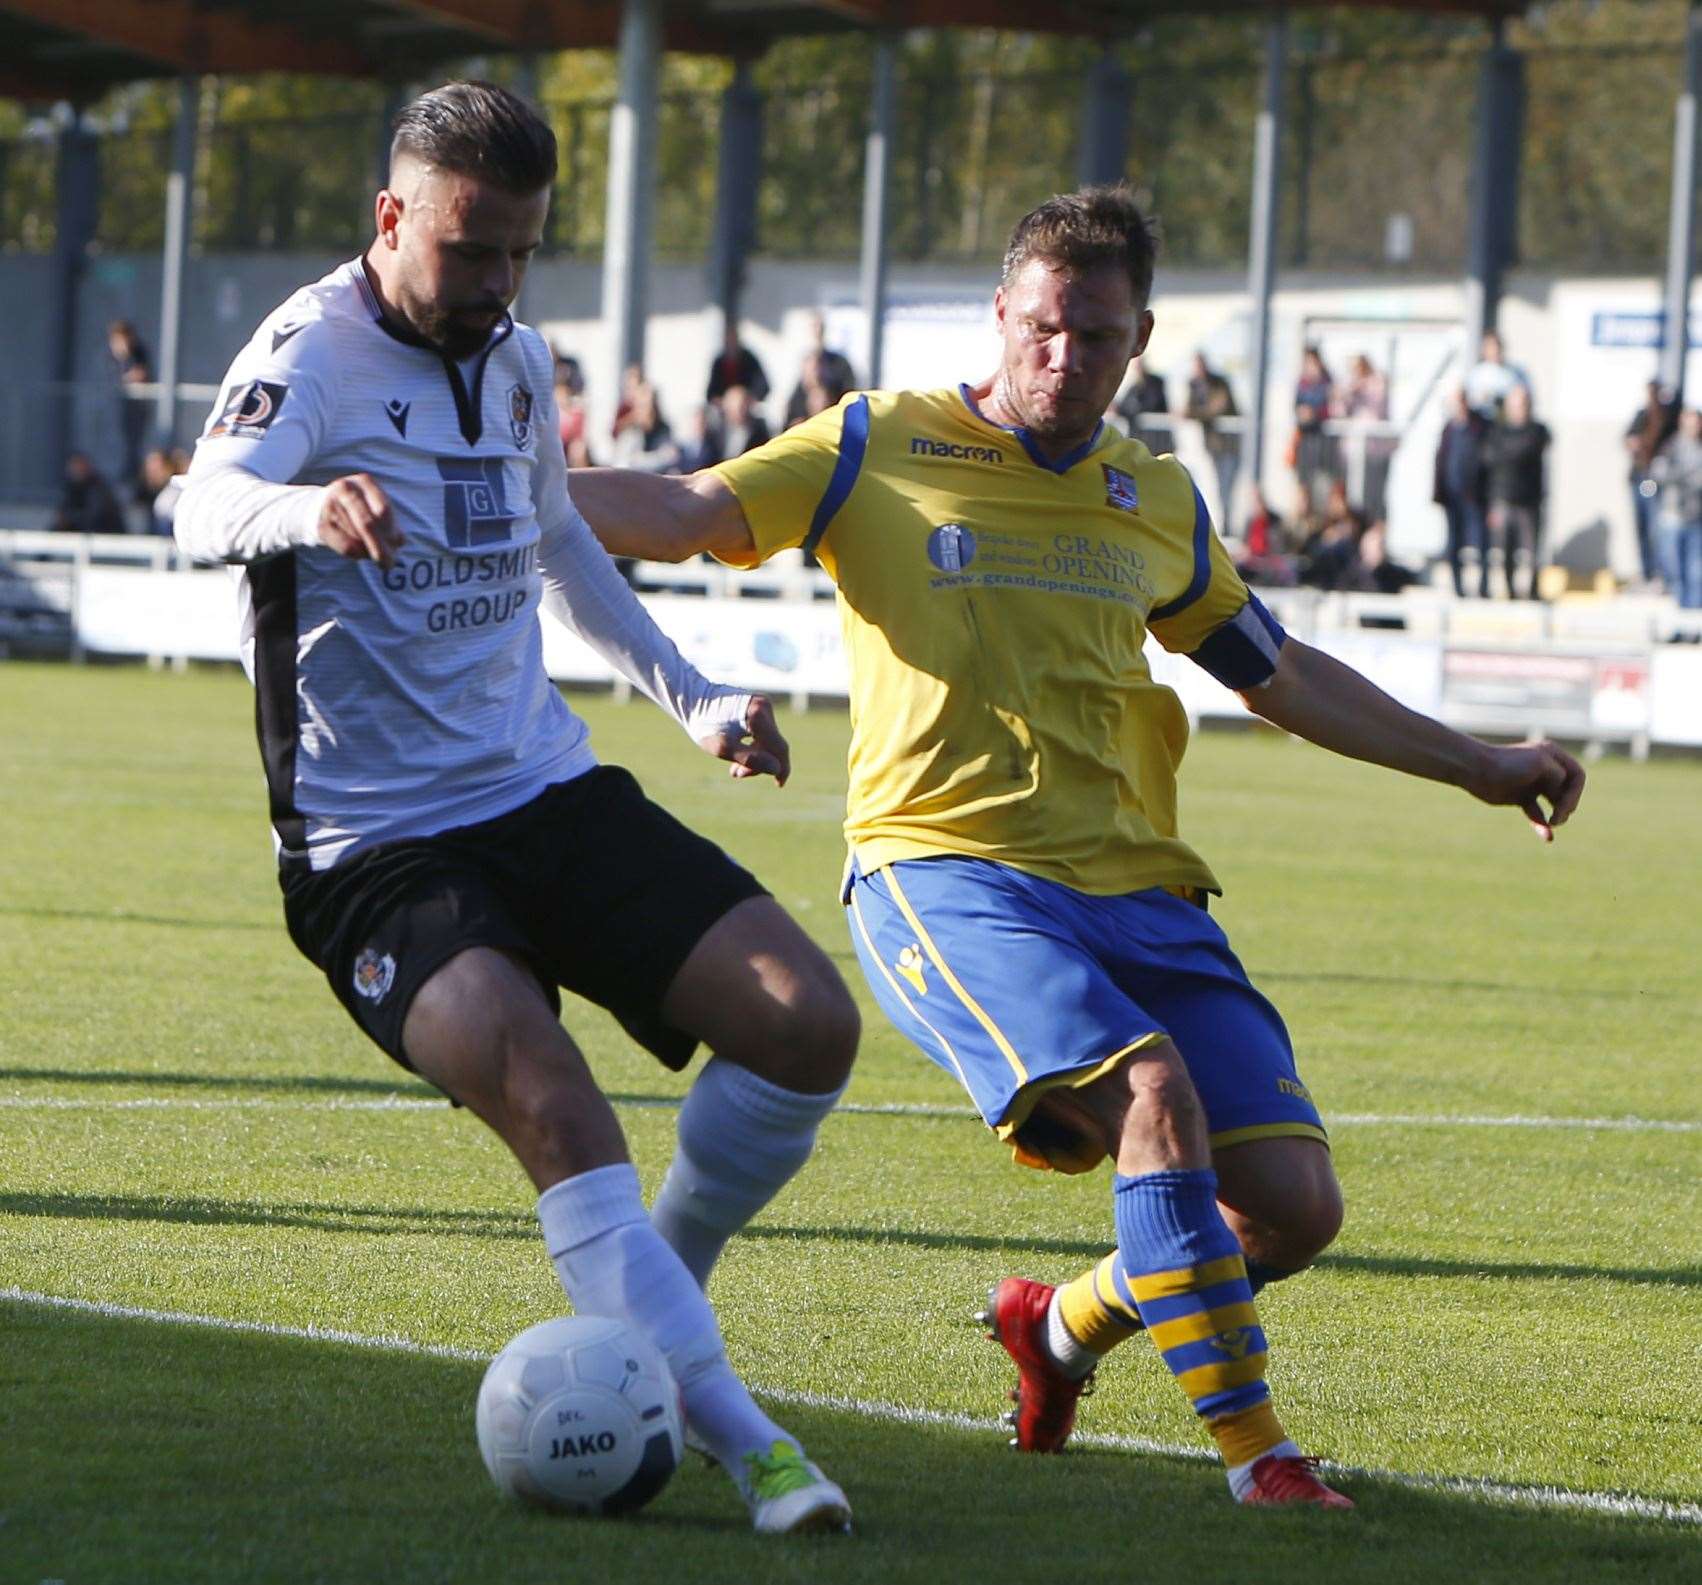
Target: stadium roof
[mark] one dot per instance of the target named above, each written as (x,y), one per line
(77,49)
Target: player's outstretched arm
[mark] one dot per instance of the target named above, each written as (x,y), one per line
(659,517)
(1316,697)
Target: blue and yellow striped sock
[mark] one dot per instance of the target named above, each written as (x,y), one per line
(1180,1269)
(1099,1313)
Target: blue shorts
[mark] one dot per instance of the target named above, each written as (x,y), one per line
(1017,985)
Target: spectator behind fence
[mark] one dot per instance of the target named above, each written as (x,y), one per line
(1651,426)
(1265,556)
(1513,454)
(130,359)
(1458,490)
(1677,471)
(735,364)
(1373,572)
(1492,379)
(632,377)
(1363,401)
(825,377)
(701,448)
(740,427)
(1209,400)
(1329,553)
(86,502)
(157,493)
(645,441)
(1311,451)
(1146,395)
(570,411)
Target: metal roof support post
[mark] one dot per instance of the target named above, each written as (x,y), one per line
(1493,238)
(525,84)
(632,187)
(179,195)
(1103,152)
(738,171)
(1261,249)
(877,189)
(1681,234)
(77,201)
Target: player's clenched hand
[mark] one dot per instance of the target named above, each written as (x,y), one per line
(1529,775)
(759,750)
(355,520)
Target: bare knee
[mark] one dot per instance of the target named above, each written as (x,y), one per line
(1150,1113)
(1281,1198)
(481,1030)
(759,991)
(813,1035)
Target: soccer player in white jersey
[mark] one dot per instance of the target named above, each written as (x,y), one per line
(1019,894)
(384,466)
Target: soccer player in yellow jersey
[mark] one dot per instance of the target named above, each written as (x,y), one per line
(1017,892)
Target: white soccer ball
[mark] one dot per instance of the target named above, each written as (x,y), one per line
(582,1415)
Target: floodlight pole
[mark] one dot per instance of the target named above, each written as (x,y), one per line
(738,172)
(1261,259)
(877,187)
(1492,242)
(632,183)
(1102,154)
(1681,234)
(76,179)
(179,197)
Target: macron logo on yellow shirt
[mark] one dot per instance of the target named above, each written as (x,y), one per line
(922,446)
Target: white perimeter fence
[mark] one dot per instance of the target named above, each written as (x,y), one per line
(1626,670)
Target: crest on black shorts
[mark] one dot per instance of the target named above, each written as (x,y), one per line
(520,415)
(375,973)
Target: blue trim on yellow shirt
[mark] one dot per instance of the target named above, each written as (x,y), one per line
(1243,652)
(853,443)
(1035,455)
(1202,564)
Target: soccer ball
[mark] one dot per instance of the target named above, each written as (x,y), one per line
(580,1414)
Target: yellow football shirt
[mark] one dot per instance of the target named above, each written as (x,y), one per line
(994,607)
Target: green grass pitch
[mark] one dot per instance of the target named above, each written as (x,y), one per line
(1504,1038)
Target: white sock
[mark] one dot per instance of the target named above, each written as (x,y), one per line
(611,1261)
(741,1139)
(1241,1475)
(1072,1357)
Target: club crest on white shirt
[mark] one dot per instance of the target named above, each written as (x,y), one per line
(520,415)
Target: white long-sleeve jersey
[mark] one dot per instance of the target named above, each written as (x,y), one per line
(401,701)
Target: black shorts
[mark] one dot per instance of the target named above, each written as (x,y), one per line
(598,889)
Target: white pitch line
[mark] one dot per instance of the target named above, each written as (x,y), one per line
(1618,1504)
(407,1103)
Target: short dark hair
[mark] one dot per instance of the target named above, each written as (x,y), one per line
(1077,231)
(479,130)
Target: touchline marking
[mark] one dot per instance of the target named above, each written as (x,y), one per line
(1624,1505)
(409,1103)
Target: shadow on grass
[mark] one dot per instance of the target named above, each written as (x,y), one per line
(284,1083)
(1419,982)
(117,916)
(260,1458)
(521,1225)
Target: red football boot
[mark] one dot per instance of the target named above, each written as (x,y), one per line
(1045,1397)
(1280,1482)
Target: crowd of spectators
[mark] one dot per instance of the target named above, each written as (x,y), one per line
(728,422)
(1488,476)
